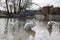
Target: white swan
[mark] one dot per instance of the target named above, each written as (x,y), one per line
(51,23)
(29,25)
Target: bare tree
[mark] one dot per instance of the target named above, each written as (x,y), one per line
(18,5)
(19,10)
(7,6)
(14,6)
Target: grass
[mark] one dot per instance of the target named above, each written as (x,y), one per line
(2,14)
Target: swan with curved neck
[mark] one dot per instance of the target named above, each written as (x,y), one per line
(50,24)
(30,25)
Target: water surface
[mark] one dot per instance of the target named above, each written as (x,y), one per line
(12,29)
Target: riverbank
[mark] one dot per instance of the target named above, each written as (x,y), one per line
(39,17)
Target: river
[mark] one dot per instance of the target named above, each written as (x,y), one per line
(12,29)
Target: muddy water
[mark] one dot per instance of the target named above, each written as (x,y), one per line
(13,29)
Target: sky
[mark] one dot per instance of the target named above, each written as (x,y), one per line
(46,2)
(42,3)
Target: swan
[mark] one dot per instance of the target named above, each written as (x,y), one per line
(29,25)
(51,23)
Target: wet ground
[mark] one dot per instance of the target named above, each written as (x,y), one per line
(13,29)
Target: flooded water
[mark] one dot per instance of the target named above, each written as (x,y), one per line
(13,29)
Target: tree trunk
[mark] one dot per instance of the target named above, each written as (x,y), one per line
(19,10)
(7,7)
(14,7)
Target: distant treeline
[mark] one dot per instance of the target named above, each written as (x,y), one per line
(25,13)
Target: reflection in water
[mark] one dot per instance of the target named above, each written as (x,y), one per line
(31,33)
(13,29)
(59,26)
(18,24)
(50,29)
(6,26)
